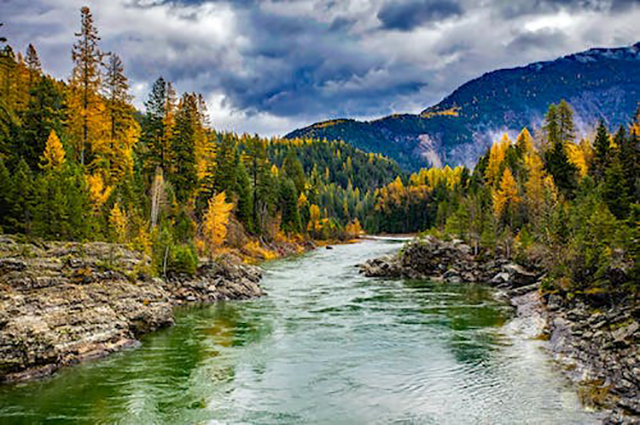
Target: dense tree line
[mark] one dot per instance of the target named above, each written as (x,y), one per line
(570,206)
(78,162)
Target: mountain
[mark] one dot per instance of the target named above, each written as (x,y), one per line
(598,83)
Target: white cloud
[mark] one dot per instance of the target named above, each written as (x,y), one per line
(270,66)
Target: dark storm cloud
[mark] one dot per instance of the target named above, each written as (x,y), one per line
(408,15)
(271,65)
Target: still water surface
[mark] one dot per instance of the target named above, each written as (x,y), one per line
(326,346)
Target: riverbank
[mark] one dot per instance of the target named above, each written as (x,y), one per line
(597,348)
(61,303)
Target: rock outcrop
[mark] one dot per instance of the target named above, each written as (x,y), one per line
(431,258)
(61,303)
(599,351)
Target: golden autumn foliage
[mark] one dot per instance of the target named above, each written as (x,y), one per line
(580,155)
(215,220)
(118,223)
(53,156)
(253,249)
(507,194)
(302,200)
(353,229)
(524,142)
(98,191)
(496,157)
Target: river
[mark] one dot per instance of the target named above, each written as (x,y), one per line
(326,346)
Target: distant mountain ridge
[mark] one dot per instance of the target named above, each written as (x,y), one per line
(598,83)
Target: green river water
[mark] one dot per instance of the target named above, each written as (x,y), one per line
(326,346)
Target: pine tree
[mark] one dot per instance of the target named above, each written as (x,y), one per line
(53,156)
(6,186)
(244,207)
(552,126)
(602,152)
(86,78)
(565,174)
(33,64)
(153,128)
(116,89)
(628,152)
(45,113)
(185,177)
(289,206)
(225,176)
(293,169)
(614,190)
(257,164)
(566,128)
(21,199)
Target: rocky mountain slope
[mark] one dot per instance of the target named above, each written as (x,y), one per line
(598,83)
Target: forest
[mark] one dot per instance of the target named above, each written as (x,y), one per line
(78,162)
(547,200)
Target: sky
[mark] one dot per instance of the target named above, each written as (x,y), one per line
(271,66)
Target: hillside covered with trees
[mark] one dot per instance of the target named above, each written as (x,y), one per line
(79,162)
(571,207)
(598,83)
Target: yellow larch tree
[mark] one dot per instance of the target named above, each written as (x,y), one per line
(98,192)
(496,157)
(302,200)
(118,222)
(215,221)
(315,222)
(506,197)
(524,142)
(53,156)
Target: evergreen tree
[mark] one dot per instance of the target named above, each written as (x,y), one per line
(153,128)
(21,199)
(601,152)
(33,64)
(244,205)
(45,113)
(184,176)
(116,88)
(86,78)
(6,186)
(629,156)
(566,128)
(565,174)
(289,205)
(293,169)
(551,125)
(614,190)
(225,178)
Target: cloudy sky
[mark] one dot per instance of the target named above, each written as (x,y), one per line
(274,65)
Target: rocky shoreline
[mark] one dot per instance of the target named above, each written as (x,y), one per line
(597,348)
(61,303)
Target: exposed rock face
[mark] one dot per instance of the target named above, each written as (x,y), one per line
(453,261)
(598,348)
(64,302)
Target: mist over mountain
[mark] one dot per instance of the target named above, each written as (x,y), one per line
(598,83)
